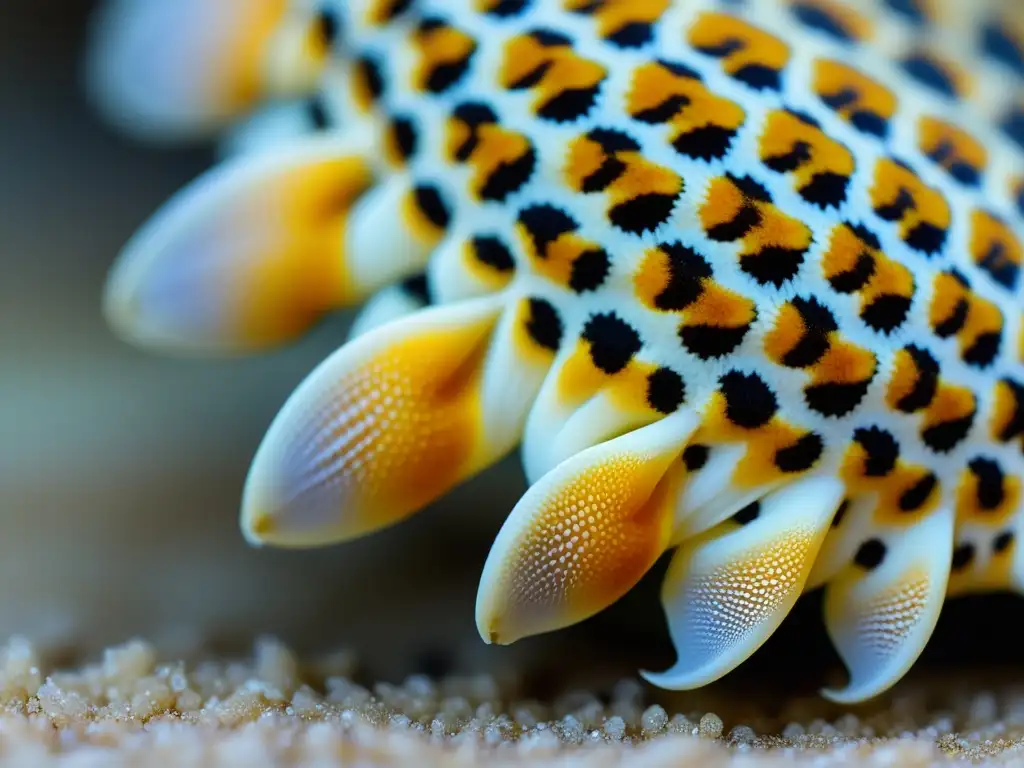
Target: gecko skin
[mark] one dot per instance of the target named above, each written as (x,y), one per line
(742,279)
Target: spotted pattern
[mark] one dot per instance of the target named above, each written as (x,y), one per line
(503,161)
(805,336)
(857,98)
(805,225)
(772,244)
(746,52)
(623,23)
(821,167)
(641,194)
(816,241)
(564,84)
(701,124)
(961,155)
(921,212)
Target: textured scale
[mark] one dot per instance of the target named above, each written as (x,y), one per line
(742,279)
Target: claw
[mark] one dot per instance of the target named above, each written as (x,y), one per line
(390,422)
(727,591)
(882,611)
(583,535)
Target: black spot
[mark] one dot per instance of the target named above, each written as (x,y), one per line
(755,190)
(531,78)
(804,117)
(569,105)
(473,114)
(835,399)
(680,70)
(837,518)
(886,313)
(826,190)
(955,322)
(589,270)
(916,495)
(665,390)
(722,49)
(856,278)
(926,238)
(1012,125)
(748,514)
(1001,47)
(965,173)
(316,111)
(871,123)
(404,132)
(707,143)
(613,342)
(895,210)
(695,457)
(999,267)
(544,325)
(491,251)
(863,120)
(509,177)
(840,99)
(749,402)
(773,265)
(963,556)
(909,10)
(644,213)
(545,224)
(1002,542)
(398,7)
(814,16)
(930,73)
(880,448)
(687,271)
(927,380)
(711,341)
(613,141)
(759,77)
(991,483)
(982,353)
(801,455)
(797,156)
(369,73)
(1015,426)
(633,35)
(431,24)
(610,169)
(432,205)
(663,112)
(745,220)
(588,7)
(504,9)
(866,236)
(549,38)
(818,323)
(445,75)
(944,437)
(870,554)
(417,287)
(327,26)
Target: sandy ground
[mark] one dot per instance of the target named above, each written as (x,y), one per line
(131,708)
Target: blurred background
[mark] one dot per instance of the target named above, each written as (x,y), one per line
(121,473)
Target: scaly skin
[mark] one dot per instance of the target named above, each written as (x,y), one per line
(742,279)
